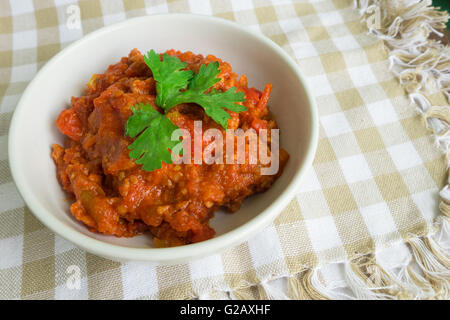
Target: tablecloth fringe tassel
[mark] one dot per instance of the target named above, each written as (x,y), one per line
(426,275)
(421,63)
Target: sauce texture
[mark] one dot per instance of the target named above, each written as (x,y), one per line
(114,196)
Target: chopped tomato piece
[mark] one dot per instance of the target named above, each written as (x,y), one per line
(69,124)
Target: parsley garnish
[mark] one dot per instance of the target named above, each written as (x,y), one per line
(174,86)
(169,76)
(152,145)
(213,102)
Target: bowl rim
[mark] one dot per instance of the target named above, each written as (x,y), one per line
(172,254)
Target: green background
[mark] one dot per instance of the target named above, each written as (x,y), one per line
(445,5)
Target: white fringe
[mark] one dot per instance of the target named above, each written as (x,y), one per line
(429,264)
(273,292)
(410,272)
(333,290)
(361,288)
(408,278)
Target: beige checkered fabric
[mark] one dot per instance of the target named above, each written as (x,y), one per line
(374,182)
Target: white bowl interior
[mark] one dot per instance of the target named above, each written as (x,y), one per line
(69,72)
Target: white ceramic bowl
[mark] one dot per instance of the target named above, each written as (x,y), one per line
(33,127)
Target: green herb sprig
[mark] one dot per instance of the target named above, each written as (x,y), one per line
(175,85)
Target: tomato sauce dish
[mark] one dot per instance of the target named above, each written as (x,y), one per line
(94,154)
(114,194)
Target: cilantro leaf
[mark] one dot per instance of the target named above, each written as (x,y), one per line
(169,76)
(174,86)
(153,131)
(213,102)
(142,115)
(205,78)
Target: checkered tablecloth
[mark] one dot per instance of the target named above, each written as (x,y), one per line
(374,182)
